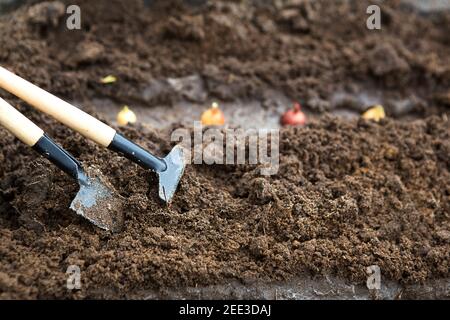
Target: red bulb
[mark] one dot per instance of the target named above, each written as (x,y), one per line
(294,116)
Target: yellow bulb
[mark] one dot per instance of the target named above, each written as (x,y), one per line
(108,79)
(126,116)
(375,113)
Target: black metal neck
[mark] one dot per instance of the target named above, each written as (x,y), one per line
(137,154)
(60,157)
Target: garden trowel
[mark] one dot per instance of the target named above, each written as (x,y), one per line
(95,200)
(169,169)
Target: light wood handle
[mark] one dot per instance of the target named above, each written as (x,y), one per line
(20,126)
(62,111)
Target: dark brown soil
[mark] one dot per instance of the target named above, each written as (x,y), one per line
(349,193)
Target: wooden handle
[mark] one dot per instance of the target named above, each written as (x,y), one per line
(62,111)
(20,126)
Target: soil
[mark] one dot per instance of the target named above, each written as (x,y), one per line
(349,193)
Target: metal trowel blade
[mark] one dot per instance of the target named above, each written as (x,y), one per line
(98,202)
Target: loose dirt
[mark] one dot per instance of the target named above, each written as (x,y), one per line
(349,193)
